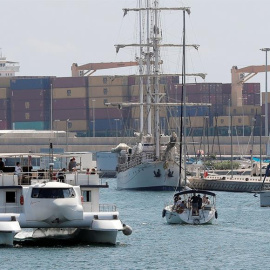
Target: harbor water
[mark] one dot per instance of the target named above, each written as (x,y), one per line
(238,239)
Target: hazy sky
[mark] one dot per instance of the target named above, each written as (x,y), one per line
(47,36)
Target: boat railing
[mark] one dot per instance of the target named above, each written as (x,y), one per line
(107,207)
(11,209)
(134,160)
(8,179)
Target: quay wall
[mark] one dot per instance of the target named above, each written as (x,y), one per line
(24,144)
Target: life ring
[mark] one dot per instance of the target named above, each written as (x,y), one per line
(166,165)
(196,221)
(246,179)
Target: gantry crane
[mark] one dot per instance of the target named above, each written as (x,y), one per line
(239,77)
(88,69)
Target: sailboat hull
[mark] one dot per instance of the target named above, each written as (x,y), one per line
(145,176)
(186,216)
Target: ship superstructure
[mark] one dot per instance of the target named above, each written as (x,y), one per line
(8,68)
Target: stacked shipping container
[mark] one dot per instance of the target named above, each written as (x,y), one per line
(26,102)
(30,103)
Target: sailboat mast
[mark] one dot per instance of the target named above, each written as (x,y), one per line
(148,68)
(184,94)
(156,80)
(141,70)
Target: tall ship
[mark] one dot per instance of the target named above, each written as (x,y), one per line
(153,163)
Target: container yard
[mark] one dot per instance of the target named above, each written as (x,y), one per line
(28,103)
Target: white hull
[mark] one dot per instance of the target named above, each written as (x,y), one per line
(76,235)
(187,217)
(142,177)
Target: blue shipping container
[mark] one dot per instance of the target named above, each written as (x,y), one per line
(33,83)
(107,124)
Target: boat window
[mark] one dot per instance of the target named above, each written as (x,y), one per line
(53,193)
(10,197)
(86,195)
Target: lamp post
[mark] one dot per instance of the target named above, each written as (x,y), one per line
(51,108)
(116,127)
(67,121)
(243,116)
(266,93)
(94,126)
(56,128)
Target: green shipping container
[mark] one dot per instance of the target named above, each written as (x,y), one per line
(40,125)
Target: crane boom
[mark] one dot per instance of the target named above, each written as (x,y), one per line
(88,69)
(239,77)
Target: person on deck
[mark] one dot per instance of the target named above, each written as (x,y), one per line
(2,165)
(18,171)
(72,165)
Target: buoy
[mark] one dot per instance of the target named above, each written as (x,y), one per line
(127,230)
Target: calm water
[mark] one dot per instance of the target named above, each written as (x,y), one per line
(238,240)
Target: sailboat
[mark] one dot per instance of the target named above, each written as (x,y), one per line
(189,206)
(152,164)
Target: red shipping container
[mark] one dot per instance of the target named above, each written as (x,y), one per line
(69,82)
(30,94)
(67,104)
(27,105)
(226,89)
(72,114)
(29,116)
(4,125)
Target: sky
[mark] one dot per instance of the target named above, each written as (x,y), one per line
(47,36)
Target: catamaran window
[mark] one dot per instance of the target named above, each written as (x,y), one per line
(10,197)
(53,193)
(86,195)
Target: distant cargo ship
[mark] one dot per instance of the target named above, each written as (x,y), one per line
(8,68)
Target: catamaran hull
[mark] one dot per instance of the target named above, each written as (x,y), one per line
(146,177)
(66,235)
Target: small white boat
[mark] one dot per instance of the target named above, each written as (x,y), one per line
(188,208)
(56,210)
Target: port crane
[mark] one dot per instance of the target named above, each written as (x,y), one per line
(239,77)
(90,68)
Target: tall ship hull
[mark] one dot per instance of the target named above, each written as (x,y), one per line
(145,176)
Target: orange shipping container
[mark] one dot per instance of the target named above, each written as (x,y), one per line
(108,91)
(107,80)
(4,93)
(78,92)
(73,125)
(5,81)
(100,102)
